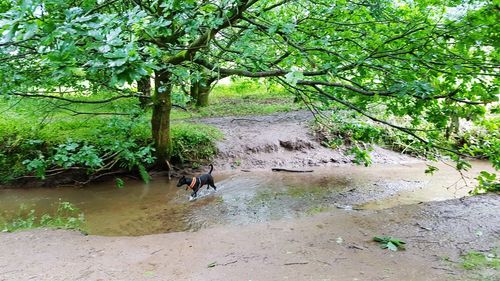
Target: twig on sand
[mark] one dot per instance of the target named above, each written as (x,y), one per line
(295,263)
(356,247)
(156,251)
(445,269)
(245,119)
(227,263)
(324,262)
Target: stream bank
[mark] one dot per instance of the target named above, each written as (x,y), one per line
(329,246)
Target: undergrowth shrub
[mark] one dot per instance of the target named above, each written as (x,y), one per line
(194,143)
(97,146)
(358,134)
(117,143)
(343,129)
(482,142)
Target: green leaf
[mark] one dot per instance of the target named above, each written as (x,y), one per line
(387,242)
(431,169)
(31,29)
(294,76)
(144,174)
(119,183)
(391,246)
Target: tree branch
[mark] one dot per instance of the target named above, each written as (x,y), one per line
(31,95)
(257,74)
(409,131)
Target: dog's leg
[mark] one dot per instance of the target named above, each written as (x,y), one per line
(193,195)
(211,183)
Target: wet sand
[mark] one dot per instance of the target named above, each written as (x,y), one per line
(329,246)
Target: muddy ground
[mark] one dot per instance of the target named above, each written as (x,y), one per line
(282,140)
(330,244)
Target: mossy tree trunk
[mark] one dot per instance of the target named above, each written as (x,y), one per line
(160,121)
(144,87)
(200,90)
(199,93)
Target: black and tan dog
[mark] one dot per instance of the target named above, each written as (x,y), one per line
(195,183)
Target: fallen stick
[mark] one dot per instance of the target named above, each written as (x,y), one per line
(291,170)
(293,263)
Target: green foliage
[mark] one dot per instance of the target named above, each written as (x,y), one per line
(343,128)
(361,156)
(119,183)
(487,182)
(243,97)
(483,141)
(144,174)
(387,242)
(431,169)
(95,145)
(98,145)
(194,142)
(415,63)
(66,216)
(476,260)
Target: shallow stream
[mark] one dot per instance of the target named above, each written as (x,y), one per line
(242,197)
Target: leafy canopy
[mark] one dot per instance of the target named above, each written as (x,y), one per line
(411,65)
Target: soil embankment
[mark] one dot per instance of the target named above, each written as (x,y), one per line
(282,140)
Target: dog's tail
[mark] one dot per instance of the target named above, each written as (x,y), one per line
(211,168)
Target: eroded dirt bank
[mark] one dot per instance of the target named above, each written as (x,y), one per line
(331,246)
(281,140)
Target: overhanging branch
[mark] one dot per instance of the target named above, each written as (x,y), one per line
(408,131)
(34,95)
(256,74)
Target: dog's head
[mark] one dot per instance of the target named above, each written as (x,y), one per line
(181,181)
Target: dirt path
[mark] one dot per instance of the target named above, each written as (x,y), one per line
(329,246)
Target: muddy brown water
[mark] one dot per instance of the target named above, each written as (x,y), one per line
(242,197)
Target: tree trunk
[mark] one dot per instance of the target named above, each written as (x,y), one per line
(160,121)
(200,90)
(453,128)
(194,91)
(144,87)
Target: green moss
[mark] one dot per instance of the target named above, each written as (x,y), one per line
(309,191)
(317,209)
(291,192)
(476,260)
